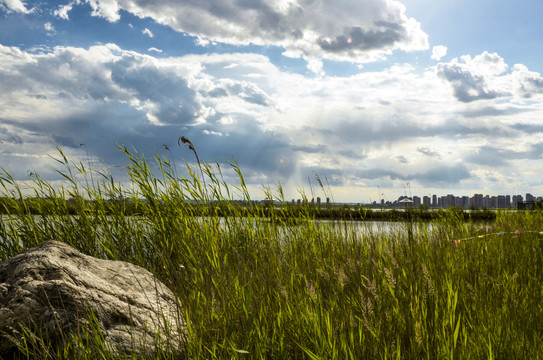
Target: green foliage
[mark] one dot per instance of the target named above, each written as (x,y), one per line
(273,282)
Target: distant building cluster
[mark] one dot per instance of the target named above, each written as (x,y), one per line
(477,201)
(312,201)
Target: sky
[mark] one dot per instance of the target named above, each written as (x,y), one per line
(378,98)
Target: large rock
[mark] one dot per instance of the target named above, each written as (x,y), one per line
(52,287)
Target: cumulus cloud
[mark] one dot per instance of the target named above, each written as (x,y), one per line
(488,77)
(475,79)
(438,52)
(277,124)
(63,10)
(104,96)
(15,6)
(108,9)
(345,30)
(527,83)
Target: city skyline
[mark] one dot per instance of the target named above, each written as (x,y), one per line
(478,201)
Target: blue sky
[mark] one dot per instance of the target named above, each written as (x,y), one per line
(378,96)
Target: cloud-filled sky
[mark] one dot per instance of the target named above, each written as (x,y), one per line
(380,97)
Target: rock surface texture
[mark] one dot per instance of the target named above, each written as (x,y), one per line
(52,286)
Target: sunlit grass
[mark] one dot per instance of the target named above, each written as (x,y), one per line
(270,282)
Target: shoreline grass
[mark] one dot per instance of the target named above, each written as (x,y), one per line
(271,289)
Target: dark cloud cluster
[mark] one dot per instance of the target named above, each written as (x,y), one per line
(122,98)
(385,34)
(467,86)
(493,156)
(313,29)
(173,101)
(7,136)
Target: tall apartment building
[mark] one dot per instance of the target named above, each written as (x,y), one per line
(501,201)
(516,200)
(426,201)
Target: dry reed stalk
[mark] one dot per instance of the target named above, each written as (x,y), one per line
(185,140)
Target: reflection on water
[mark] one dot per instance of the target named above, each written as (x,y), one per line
(143,225)
(386,227)
(377,228)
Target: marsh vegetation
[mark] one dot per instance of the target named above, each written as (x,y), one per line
(291,287)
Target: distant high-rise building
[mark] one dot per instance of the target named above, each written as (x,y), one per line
(493,202)
(434,200)
(479,201)
(450,200)
(416,201)
(426,201)
(517,199)
(501,202)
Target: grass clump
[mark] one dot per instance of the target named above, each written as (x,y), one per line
(272,282)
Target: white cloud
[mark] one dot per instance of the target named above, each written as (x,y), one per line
(358,31)
(438,52)
(315,65)
(526,83)
(49,28)
(147,32)
(487,77)
(487,64)
(15,5)
(207,132)
(108,9)
(203,42)
(63,10)
(154,49)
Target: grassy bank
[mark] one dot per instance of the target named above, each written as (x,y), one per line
(294,289)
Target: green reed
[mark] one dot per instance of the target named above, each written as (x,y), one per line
(260,281)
